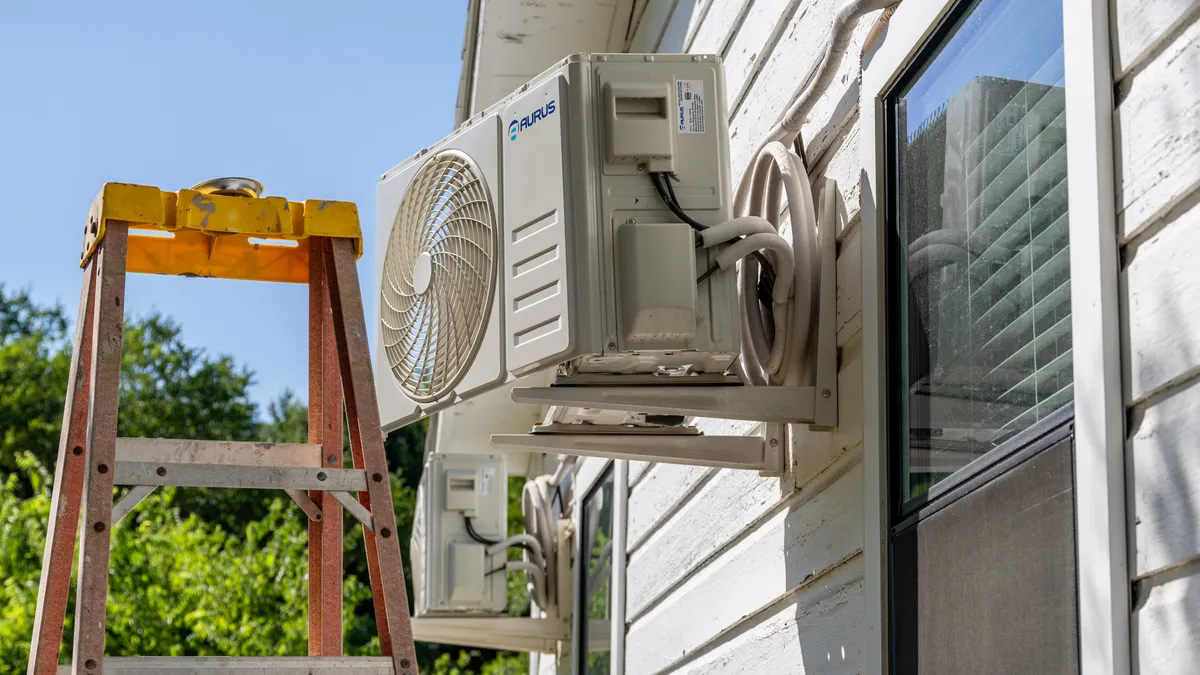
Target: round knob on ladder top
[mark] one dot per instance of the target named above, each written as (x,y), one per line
(422,273)
(231,187)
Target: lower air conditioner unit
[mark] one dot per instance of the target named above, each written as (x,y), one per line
(534,237)
(462,502)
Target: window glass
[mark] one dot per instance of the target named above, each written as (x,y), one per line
(978,212)
(597,526)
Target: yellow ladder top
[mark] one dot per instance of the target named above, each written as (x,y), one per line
(221,229)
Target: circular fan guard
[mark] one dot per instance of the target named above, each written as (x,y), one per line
(439,276)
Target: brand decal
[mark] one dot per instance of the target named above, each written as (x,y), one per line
(517,126)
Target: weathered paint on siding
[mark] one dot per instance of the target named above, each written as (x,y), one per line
(1157,66)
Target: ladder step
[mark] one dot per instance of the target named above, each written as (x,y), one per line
(233,476)
(241,453)
(243,665)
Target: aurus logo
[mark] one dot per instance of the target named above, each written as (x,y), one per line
(529,120)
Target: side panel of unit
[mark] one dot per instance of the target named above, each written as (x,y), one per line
(538,236)
(696,106)
(444,528)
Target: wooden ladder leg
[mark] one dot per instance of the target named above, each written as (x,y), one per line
(325,412)
(100,453)
(366,442)
(55,583)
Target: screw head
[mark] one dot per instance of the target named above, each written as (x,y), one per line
(321,475)
(404,663)
(825,393)
(385,533)
(377,477)
(774,442)
(102,468)
(332,459)
(77,450)
(631,221)
(90,664)
(641,168)
(162,471)
(99,527)
(612,345)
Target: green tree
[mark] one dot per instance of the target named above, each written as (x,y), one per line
(195,572)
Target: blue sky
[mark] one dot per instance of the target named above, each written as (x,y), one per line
(314,100)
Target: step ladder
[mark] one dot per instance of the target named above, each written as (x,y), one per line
(224,229)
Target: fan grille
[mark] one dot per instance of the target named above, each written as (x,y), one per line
(438,276)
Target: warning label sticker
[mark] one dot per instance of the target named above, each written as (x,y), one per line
(485,485)
(689,99)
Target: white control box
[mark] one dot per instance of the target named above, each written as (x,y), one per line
(453,573)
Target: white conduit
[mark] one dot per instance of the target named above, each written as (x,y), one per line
(537,502)
(776,350)
(534,549)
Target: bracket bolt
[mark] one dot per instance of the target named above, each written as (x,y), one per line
(631,221)
(774,442)
(612,345)
(641,168)
(321,475)
(825,393)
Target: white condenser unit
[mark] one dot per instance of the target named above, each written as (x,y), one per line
(535,237)
(462,507)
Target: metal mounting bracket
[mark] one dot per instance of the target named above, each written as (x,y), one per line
(518,634)
(766,454)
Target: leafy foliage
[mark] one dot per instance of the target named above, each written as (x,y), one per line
(194,572)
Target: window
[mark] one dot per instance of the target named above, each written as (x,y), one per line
(595,577)
(978,260)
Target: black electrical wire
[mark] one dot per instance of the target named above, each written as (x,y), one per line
(475,535)
(666,192)
(484,540)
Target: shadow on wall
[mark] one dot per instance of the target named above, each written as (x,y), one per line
(1162,456)
(1161,466)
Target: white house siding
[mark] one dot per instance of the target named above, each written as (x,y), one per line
(730,572)
(1157,128)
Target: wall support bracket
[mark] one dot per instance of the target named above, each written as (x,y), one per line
(766,454)
(518,634)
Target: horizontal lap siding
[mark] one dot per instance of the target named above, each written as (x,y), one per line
(1157,131)
(815,631)
(806,536)
(729,571)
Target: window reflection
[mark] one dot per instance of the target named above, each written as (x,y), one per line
(980,209)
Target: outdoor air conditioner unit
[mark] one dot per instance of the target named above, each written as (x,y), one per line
(461,500)
(533,237)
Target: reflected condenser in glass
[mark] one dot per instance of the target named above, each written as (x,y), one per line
(979,183)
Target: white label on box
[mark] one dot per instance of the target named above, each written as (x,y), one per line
(485,485)
(689,106)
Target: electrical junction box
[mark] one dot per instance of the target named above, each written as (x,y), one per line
(533,238)
(452,572)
